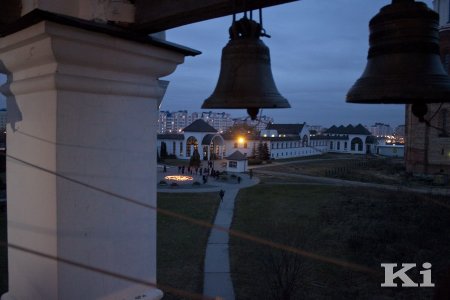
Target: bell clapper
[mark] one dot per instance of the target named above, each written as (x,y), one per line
(253,113)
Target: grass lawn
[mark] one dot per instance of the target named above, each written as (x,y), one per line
(321,156)
(174,162)
(3,255)
(359,225)
(181,245)
(376,170)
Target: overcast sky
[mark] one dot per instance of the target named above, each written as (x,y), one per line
(318,50)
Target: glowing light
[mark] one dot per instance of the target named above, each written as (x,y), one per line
(178,177)
(241,140)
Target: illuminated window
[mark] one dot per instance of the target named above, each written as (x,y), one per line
(232,164)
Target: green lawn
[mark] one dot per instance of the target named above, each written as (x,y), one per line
(3,255)
(363,226)
(355,168)
(181,245)
(175,162)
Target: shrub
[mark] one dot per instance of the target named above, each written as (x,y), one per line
(163,153)
(174,184)
(252,162)
(163,182)
(196,183)
(195,159)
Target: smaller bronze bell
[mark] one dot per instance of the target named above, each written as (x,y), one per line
(403,64)
(245,79)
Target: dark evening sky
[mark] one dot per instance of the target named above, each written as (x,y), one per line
(318,50)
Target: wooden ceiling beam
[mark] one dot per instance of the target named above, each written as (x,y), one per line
(158,15)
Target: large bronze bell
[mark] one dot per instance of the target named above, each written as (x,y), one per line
(403,64)
(245,79)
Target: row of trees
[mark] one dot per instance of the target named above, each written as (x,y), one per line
(261,151)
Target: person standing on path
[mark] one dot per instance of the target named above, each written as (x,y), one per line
(221,194)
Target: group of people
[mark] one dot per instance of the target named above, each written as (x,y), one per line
(205,172)
(197,171)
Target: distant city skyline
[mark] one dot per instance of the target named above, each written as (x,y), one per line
(176,121)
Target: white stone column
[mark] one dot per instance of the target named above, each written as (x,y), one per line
(81,104)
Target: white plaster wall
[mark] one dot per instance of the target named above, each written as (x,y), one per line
(229,146)
(305,131)
(391,151)
(241,167)
(348,149)
(91,118)
(293,152)
(32,195)
(269,133)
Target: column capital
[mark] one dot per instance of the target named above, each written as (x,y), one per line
(49,56)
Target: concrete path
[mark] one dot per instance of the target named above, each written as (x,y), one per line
(217,280)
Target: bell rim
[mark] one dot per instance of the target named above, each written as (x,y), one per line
(226,103)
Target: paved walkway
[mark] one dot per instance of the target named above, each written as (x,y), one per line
(217,279)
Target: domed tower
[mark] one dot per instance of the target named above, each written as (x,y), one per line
(427,148)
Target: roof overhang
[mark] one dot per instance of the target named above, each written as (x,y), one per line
(38,15)
(158,15)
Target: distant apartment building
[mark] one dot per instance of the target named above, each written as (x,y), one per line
(381,129)
(174,122)
(259,124)
(221,121)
